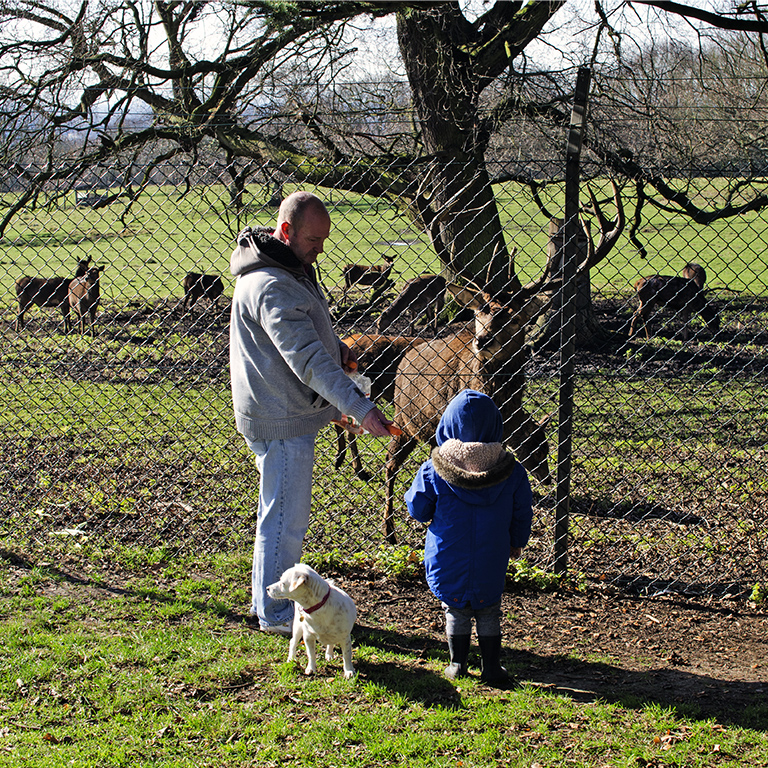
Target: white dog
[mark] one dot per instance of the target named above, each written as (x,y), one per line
(323,614)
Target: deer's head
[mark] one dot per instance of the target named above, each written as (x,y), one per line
(498,319)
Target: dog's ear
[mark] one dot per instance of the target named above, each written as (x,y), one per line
(297,582)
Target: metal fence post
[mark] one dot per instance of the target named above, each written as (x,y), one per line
(572,229)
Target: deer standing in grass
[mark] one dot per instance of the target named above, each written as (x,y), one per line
(46,292)
(376,276)
(84,297)
(684,294)
(197,286)
(489,359)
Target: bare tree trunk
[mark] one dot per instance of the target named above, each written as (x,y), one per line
(588,331)
(456,200)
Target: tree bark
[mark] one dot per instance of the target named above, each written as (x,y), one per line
(448,65)
(457,202)
(588,331)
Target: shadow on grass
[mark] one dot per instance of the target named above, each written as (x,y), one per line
(687,694)
(406,677)
(414,667)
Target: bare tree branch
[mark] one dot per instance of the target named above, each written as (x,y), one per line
(719,20)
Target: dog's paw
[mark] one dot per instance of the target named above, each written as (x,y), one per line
(349,674)
(310,670)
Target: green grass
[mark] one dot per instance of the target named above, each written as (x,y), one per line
(112,445)
(158,672)
(155,455)
(148,249)
(730,249)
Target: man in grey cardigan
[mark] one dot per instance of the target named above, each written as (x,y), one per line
(287,372)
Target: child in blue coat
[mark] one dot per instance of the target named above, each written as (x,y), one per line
(478,503)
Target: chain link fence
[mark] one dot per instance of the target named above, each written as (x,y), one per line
(126,436)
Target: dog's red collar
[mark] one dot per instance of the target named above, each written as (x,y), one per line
(320,604)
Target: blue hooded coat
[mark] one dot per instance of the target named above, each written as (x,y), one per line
(477,500)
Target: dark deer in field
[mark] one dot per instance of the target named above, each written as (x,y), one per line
(46,292)
(424,295)
(376,276)
(377,357)
(684,294)
(197,286)
(83,298)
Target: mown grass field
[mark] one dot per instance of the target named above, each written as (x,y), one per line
(118,658)
(167,232)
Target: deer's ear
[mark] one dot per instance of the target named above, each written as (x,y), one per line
(470,298)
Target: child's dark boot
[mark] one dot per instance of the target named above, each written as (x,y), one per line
(458,647)
(490,652)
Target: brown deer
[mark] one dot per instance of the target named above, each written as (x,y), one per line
(46,292)
(420,295)
(197,286)
(489,360)
(377,357)
(684,294)
(376,276)
(83,298)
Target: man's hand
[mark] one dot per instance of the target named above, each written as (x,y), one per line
(348,358)
(376,423)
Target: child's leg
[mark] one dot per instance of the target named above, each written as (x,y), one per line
(488,620)
(458,628)
(489,638)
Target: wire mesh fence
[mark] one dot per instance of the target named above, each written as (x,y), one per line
(125,435)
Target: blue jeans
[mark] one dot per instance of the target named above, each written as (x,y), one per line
(285,499)
(458,621)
